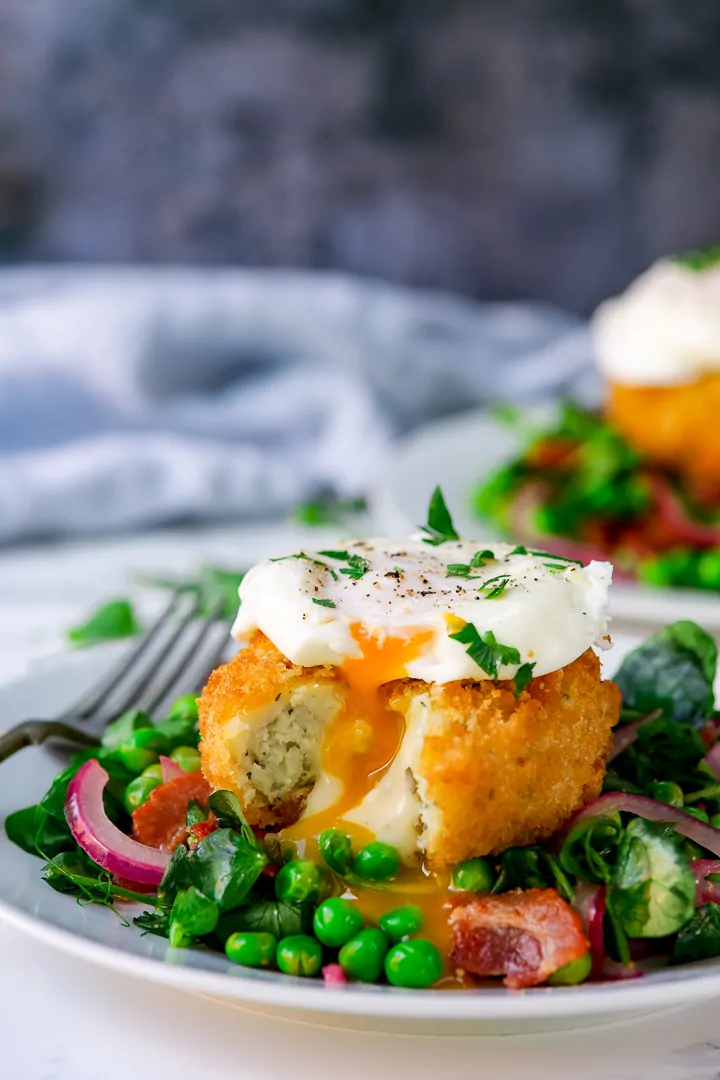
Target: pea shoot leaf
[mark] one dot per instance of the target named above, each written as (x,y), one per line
(224,867)
(700,938)
(439,528)
(274,917)
(226,807)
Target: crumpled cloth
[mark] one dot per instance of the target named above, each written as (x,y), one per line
(132,397)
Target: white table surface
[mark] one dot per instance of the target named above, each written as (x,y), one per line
(63,1019)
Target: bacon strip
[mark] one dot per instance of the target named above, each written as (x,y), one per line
(160,821)
(524,935)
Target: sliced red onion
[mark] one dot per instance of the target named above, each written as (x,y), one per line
(652,810)
(170,769)
(672,512)
(333,975)
(99,838)
(712,760)
(627,734)
(707,891)
(583,901)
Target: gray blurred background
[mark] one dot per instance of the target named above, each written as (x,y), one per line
(524,148)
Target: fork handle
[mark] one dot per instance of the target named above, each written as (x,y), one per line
(36,732)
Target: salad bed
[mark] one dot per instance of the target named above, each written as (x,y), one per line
(632,882)
(580,485)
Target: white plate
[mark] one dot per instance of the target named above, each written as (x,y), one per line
(456,454)
(96,934)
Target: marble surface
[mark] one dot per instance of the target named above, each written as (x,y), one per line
(62,1019)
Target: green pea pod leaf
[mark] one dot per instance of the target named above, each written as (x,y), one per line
(226,807)
(113,620)
(195,913)
(225,867)
(674,671)
(652,890)
(268,916)
(700,938)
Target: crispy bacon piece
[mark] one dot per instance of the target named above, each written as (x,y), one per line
(160,821)
(524,935)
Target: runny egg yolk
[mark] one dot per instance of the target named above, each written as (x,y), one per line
(362,740)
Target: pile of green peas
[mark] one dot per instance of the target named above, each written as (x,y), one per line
(365,953)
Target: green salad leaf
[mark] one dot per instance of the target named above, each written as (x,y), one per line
(531,868)
(674,671)
(274,917)
(224,867)
(652,889)
(590,849)
(113,620)
(194,914)
(700,938)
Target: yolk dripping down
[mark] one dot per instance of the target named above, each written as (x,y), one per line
(363,739)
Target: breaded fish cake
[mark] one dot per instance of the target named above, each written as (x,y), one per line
(478,769)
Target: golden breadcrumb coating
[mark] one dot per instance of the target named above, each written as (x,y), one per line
(492,772)
(500,772)
(676,426)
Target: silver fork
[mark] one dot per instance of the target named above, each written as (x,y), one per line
(174,656)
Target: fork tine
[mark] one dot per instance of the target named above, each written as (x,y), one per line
(84,710)
(132,693)
(185,658)
(211,663)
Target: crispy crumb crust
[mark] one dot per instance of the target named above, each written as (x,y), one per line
(675,426)
(248,682)
(503,772)
(499,771)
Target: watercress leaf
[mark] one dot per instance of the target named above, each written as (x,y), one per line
(195,814)
(523,868)
(21,829)
(226,807)
(589,851)
(700,938)
(225,867)
(663,750)
(120,730)
(52,836)
(653,884)
(53,801)
(269,917)
(63,872)
(176,876)
(154,922)
(439,527)
(674,671)
(180,730)
(113,620)
(195,913)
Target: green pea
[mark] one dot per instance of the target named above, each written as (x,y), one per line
(576,971)
(377,861)
(184,707)
(302,879)
(474,875)
(362,957)
(154,771)
(138,791)
(401,922)
(699,814)
(142,748)
(336,921)
(299,954)
(187,757)
(336,850)
(256,950)
(414,964)
(666,791)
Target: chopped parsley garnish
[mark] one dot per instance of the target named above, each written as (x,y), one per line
(519,550)
(523,675)
(486,650)
(356,567)
(343,556)
(323,603)
(479,557)
(556,558)
(439,528)
(308,558)
(460,569)
(398,570)
(497,590)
